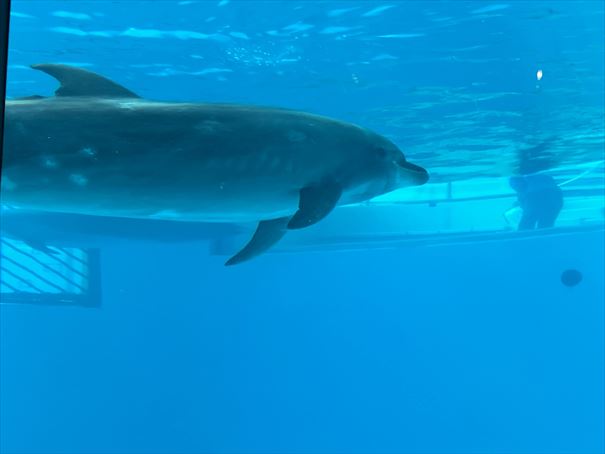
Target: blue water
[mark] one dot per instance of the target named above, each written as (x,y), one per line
(472,347)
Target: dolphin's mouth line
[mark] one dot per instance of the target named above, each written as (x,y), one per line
(412,167)
(418,172)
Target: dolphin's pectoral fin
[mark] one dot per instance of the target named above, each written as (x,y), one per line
(315,203)
(267,234)
(80,82)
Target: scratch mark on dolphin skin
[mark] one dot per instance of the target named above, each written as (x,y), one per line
(275,162)
(242,165)
(212,163)
(20,128)
(210,126)
(50,162)
(296,136)
(259,163)
(78,179)
(88,151)
(289,166)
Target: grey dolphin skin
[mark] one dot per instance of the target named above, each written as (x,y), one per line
(96,148)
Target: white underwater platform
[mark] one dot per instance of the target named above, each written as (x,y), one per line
(472,210)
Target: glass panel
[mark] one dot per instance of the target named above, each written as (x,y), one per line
(411,194)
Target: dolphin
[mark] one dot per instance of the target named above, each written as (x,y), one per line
(97,148)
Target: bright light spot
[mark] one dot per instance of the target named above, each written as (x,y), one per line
(539,74)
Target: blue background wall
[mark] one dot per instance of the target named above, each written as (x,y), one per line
(474,348)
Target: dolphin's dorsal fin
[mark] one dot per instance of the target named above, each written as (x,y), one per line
(80,82)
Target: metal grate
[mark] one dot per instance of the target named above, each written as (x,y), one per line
(49,275)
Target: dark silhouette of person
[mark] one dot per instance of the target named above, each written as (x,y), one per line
(540,199)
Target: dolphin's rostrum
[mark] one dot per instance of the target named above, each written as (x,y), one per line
(97,148)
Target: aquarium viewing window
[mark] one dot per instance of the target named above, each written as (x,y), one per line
(312,226)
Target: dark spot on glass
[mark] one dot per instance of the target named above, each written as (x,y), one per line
(571,277)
